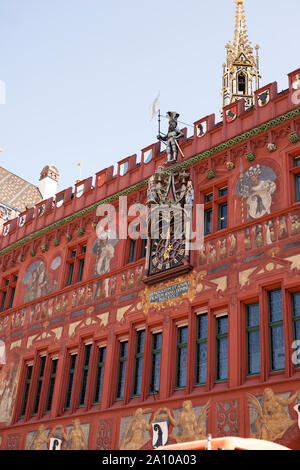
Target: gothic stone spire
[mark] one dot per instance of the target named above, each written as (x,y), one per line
(241,66)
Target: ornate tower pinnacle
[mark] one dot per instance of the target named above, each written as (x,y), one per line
(241,65)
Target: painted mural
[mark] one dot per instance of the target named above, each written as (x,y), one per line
(9,375)
(269,414)
(257,185)
(75,437)
(188,424)
(105,251)
(38,282)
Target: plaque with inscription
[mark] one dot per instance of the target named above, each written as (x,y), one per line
(169,293)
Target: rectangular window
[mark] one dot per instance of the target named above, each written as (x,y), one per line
(222,349)
(71,375)
(297,184)
(121,370)
(155,362)
(80,270)
(75,264)
(138,363)
(253,339)
(144,247)
(39,386)
(277,352)
(99,375)
(26,390)
(208,198)
(4,294)
(70,274)
(296,161)
(222,216)
(201,349)
(51,385)
(296,316)
(181,366)
(85,374)
(223,192)
(207,221)
(7,292)
(132,251)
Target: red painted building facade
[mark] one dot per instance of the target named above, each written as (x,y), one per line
(87,339)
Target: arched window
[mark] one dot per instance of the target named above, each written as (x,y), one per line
(242,84)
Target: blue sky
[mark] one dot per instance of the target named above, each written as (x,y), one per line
(81,74)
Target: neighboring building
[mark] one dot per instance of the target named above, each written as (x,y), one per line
(109,345)
(16,195)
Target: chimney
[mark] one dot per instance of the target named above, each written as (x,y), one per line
(49,181)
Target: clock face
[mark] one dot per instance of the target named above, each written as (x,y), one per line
(166,253)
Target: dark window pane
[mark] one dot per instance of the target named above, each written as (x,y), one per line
(70,274)
(51,385)
(276,313)
(85,374)
(80,271)
(296,304)
(222,216)
(183,334)
(12,295)
(39,385)
(122,370)
(202,326)
(155,363)
(208,197)
(277,348)
(223,192)
(297,161)
(3,301)
(132,251)
(253,315)
(222,371)
(222,325)
(26,391)
(297,182)
(207,221)
(140,337)
(181,372)
(99,375)
(253,352)
(201,363)
(143,249)
(69,391)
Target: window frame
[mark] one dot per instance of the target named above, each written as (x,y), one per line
(272,325)
(220,336)
(197,344)
(179,347)
(248,331)
(155,352)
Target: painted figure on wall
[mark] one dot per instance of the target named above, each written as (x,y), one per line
(105,251)
(38,282)
(133,438)
(8,383)
(40,440)
(272,420)
(76,439)
(257,186)
(191,428)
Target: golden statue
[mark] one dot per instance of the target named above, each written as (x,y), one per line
(272,421)
(133,438)
(39,439)
(191,428)
(76,439)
